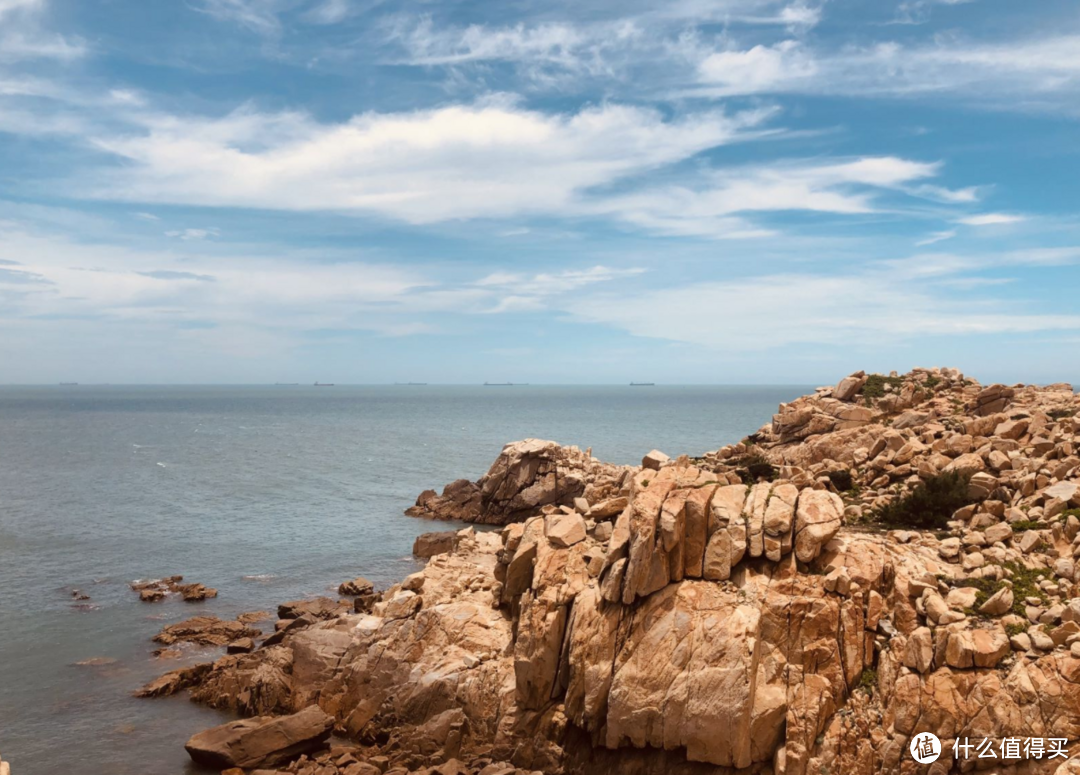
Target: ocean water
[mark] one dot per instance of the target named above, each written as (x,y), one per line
(265,493)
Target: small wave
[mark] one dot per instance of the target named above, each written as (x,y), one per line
(161,464)
(260,577)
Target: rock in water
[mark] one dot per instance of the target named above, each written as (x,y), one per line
(262,741)
(358,586)
(205,631)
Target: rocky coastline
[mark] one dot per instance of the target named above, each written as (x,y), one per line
(892,555)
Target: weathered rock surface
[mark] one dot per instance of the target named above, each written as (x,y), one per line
(205,631)
(526,476)
(737,616)
(155,590)
(261,741)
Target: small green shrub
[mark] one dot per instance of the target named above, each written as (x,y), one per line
(932,382)
(1064,516)
(1013,630)
(1023,525)
(755,467)
(930,505)
(868,680)
(875,386)
(1025,583)
(842,480)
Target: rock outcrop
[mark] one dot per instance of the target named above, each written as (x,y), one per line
(155,590)
(205,631)
(744,612)
(526,476)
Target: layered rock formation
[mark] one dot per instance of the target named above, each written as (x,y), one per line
(742,612)
(526,476)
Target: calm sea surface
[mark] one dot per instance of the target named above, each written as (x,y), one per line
(267,494)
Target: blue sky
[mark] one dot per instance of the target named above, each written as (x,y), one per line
(697,191)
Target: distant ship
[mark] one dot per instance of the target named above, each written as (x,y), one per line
(504,384)
(324,384)
(642,384)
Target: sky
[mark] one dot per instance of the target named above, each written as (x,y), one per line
(694,191)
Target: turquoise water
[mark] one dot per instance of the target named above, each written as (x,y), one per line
(267,494)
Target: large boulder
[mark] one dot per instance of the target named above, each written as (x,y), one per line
(526,476)
(429,544)
(262,741)
(817,519)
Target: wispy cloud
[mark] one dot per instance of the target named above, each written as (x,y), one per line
(484,160)
(920,11)
(991,219)
(521,292)
(937,236)
(1035,69)
(886,303)
(22,36)
(246,292)
(712,207)
(193,234)
(259,16)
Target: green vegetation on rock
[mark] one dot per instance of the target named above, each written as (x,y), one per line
(930,505)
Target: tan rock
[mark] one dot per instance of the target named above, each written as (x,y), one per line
(818,517)
(565,529)
(261,741)
(999,532)
(654,460)
(999,603)
(919,650)
(850,386)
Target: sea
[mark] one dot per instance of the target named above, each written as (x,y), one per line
(267,494)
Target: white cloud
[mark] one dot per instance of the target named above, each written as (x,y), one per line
(259,16)
(554,42)
(758,69)
(22,36)
(292,293)
(270,18)
(604,45)
(487,160)
(800,15)
(193,234)
(1012,74)
(11,6)
(991,219)
(519,292)
(937,236)
(712,208)
(330,12)
(919,11)
(884,304)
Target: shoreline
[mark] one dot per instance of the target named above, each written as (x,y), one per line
(515,624)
